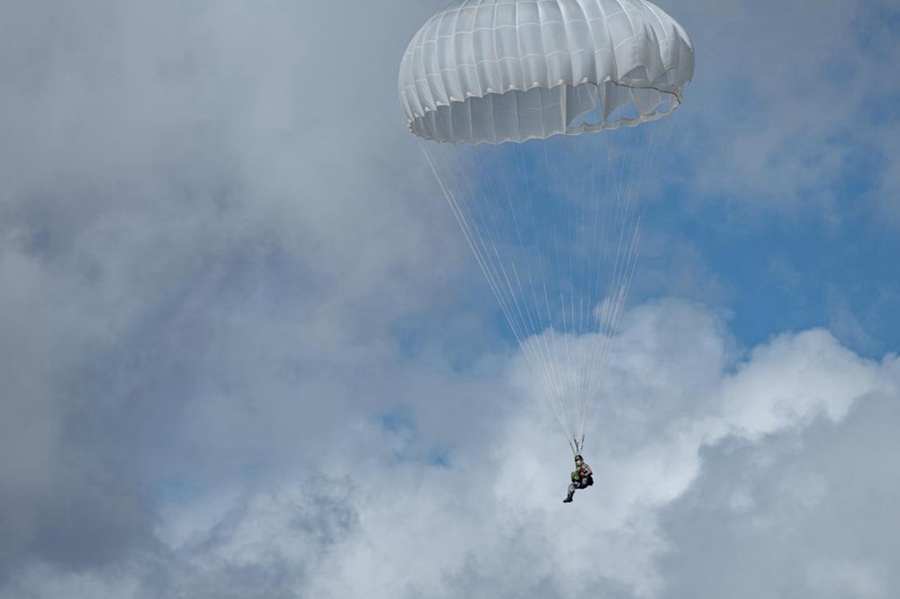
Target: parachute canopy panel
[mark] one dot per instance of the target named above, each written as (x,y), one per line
(492,71)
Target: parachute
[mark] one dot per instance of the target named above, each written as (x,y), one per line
(502,93)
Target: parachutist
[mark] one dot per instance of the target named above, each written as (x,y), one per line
(582,478)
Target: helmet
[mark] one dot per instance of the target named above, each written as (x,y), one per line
(578,457)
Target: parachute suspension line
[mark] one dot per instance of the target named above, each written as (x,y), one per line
(504,291)
(590,365)
(570,326)
(620,215)
(555,391)
(586,195)
(576,361)
(508,221)
(550,376)
(601,213)
(577,448)
(534,328)
(571,367)
(623,270)
(476,244)
(649,171)
(512,298)
(470,215)
(539,334)
(626,219)
(577,235)
(603,219)
(561,365)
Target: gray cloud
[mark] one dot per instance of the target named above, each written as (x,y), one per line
(809,513)
(199,236)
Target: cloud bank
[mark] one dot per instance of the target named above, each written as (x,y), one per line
(704,460)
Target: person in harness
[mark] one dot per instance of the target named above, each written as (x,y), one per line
(582,478)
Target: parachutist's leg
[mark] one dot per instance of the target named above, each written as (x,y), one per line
(572,488)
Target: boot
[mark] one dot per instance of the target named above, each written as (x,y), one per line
(568,498)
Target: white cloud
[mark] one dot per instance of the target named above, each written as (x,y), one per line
(187,221)
(469,523)
(493,524)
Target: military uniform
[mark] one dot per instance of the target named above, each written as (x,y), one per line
(582,478)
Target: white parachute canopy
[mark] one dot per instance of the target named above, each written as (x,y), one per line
(554,223)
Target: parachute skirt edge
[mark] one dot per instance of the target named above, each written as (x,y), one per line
(539,113)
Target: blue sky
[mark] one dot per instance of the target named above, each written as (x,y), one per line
(247,353)
(812,246)
(786,273)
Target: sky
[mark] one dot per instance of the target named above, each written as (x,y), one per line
(246,351)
